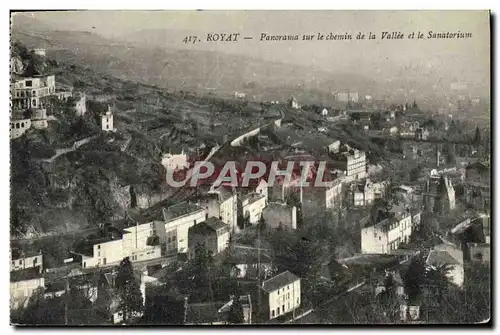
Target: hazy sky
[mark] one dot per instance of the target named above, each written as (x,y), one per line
(462,59)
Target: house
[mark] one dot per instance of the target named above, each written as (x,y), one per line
(280,215)
(39,119)
(421,134)
(248,262)
(351,161)
(178,219)
(211,233)
(81,104)
(334,147)
(343,97)
(20,260)
(282,294)
(365,194)
(174,162)
(321,198)
(388,234)
(324,112)
(404,193)
(103,251)
(23,285)
(107,121)
(32,92)
(447,254)
(251,207)
(293,103)
(246,305)
(222,203)
(144,241)
(18,127)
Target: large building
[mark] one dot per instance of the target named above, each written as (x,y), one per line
(31,92)
(107,120)
(23,285)
(213,234)
(20,260)
(282,294)
(178,219)
(448,255)
(388,234)
(366,193)
(351,161)
(222,203)
(251,207)
(439,194)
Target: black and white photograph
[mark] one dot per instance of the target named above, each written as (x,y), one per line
(250,167)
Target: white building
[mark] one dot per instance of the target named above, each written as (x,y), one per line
(222,203)
(20,260)
(282,294)
(293,103)
(144,241)
(324,112)
(23,285)
(352,161)
(334,147)
(39,119)
(174,162)
(40,52)
(19,127)
(31,92)
(366,193)
(178,219)
(107,120)
(80,106)
(354,96)
(280,215)
(448,255)
(252,206)
(387,235)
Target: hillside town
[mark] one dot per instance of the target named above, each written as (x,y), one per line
(397,232)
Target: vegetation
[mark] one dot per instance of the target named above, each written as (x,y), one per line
(128,291)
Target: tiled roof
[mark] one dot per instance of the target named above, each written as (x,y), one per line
(179,210)
(439,257)
(279,281)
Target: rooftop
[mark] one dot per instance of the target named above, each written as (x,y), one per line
(440,257)
(251,198)
(25,274)
(279,281)
(179,210)
(210,226)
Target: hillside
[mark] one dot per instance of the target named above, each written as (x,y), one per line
(71,191)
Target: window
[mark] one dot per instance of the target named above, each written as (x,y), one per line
(34,93)
(20,262)
(278,292)
(298,301)
(283,308)
(104,261)
(288,296)
(288,287)
(13,263)
(379,238)
(278,311)
(28,83)
(84,264)
(99,247)
(98,254)
(272,313)
(34,102)
(107,126)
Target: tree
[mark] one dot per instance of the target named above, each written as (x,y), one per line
(414,278)
(236,312)
(128,291)
(477,137)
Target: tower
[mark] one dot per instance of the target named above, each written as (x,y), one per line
(107,121)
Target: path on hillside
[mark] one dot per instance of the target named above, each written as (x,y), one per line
(64,151)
